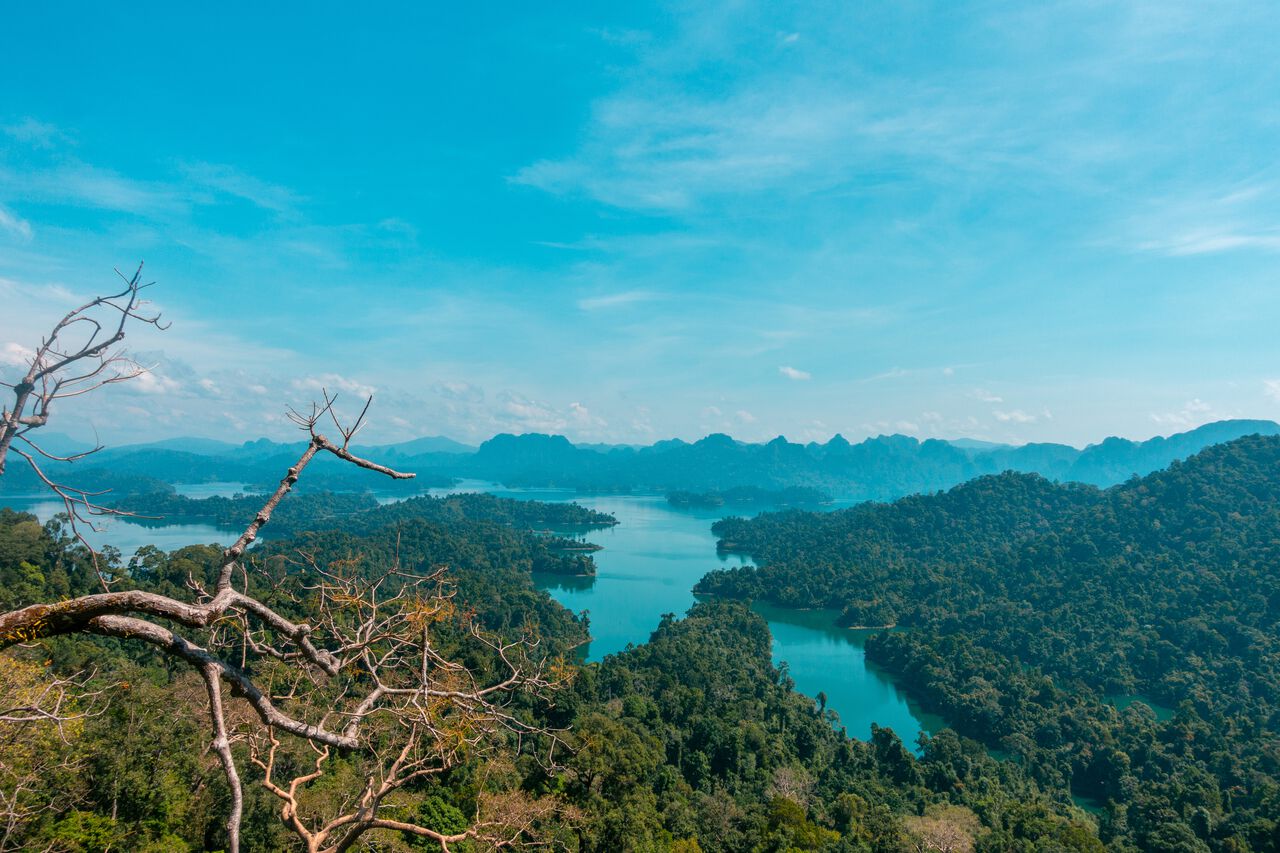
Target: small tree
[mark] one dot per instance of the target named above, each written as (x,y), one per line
(364,680)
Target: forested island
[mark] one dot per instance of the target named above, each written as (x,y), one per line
(316,510)
(1024,609)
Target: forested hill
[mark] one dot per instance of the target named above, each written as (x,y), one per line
(1022,605)
(873,559)
(881,468)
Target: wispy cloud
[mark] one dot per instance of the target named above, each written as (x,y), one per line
(519,413)
(333,383)
(794,374)
(37,134)
(615,300)
(911,373)
(1245,217)
(14,354)
(78,184)
(808,126)
(1206,242)
(232,182)
(87,186)
(1193,413)
(14,224)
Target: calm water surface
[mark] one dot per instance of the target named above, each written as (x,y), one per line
(648,567)
(129,535)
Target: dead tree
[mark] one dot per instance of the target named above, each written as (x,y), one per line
(78,356)
(433,713)
(364,679)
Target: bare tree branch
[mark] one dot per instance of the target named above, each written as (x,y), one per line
(78,356)
(367,679)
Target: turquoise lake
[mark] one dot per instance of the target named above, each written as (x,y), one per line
(648,565)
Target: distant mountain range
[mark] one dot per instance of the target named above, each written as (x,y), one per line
(881,468)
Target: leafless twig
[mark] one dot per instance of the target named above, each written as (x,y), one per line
(78,356)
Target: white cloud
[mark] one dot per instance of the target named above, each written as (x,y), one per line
(1016,416)
(892,373)
(615,300)
(151,382)
(1192,414)
(794,374)
(745,416)
(986,396)
(334,383)
(15,354)
(459,391)
(79,184)
(14,224)
(518,413)
(580,416)
(83,185)
(659,144)
(1241,218)
(1206,242)
(35,133)
(231,181)
(1271,387)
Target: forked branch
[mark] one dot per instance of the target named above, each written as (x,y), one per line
(78,356)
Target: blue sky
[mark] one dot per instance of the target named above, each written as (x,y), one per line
(625,222)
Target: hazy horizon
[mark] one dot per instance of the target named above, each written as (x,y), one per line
(88,440)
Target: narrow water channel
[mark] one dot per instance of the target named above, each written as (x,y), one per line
(648,566)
